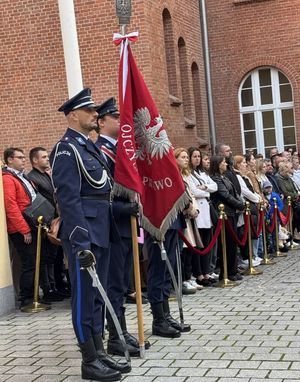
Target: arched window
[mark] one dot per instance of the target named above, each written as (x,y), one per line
(197,98)
(188,107)
(170,53)
(267,111)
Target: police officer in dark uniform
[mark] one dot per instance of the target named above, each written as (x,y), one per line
(121,253)
(159,282)
(83,185)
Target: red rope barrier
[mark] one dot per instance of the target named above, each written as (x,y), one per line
(255,232)
(211,244)
(242,242)
(285,219)
(272,227)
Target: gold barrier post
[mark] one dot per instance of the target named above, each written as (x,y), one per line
(277,252)
(265,260)
(36,307)
(251,270)
(225,283)
(290,223)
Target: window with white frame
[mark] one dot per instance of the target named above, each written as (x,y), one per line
(267,111)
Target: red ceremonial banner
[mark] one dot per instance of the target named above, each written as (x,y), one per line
(145,163)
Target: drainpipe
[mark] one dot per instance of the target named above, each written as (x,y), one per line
(70,45)
(211,117)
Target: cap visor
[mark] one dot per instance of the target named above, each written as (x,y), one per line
(93,106)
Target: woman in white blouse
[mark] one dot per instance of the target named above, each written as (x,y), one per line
(202,186)
(189,285)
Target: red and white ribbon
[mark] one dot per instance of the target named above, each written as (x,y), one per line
(118,38)
(123,40)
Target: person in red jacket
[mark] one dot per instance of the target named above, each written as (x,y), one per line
(18,194)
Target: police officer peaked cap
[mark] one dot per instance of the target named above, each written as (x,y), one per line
(108,107)
(83,99)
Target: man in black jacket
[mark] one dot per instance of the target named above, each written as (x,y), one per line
(270,174)
(225,151)
(39,160)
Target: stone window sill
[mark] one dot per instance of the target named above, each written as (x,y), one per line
(189,123)
(240,2)
(174,101)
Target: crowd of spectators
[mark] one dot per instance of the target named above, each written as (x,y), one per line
(210,180)
(20,190)
(233,180)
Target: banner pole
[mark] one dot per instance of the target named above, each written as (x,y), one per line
(225,283)
(123,12)
(277,252)
(266,260)
(137,278)
(36,307)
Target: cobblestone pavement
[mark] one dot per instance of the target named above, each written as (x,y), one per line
(243,334)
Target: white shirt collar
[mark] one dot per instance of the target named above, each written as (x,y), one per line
(15,171)
(110,139)
(86,137)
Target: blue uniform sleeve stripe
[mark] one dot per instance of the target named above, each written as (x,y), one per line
(78,307)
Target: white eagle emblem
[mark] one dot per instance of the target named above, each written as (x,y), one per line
(150,140)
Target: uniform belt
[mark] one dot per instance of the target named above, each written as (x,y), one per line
(106,196)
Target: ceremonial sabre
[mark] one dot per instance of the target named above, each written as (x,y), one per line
(97,284)
(179,275)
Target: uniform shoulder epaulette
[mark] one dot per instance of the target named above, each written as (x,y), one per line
(80,141)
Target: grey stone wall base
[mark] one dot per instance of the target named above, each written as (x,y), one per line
(7,300)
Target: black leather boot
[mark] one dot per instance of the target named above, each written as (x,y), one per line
(129,338)
(121,366)
(92,367)
(175,324)
(115,345)
(160,326)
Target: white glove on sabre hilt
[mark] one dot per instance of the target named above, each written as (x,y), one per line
(86,259)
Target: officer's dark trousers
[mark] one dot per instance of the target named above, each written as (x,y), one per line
(27,253)
(120,266)
(87,304)
(159,278)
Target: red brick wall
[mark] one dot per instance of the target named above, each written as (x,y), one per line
(32,77)
(32,73)
(186,25)
(244,35)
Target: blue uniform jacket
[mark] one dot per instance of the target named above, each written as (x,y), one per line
(102,141)
(84,221)
(123,220)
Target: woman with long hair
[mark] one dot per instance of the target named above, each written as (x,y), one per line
(251,173)
(257,187)
(227,195)
(261,170)
(189,285)
(202,186)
